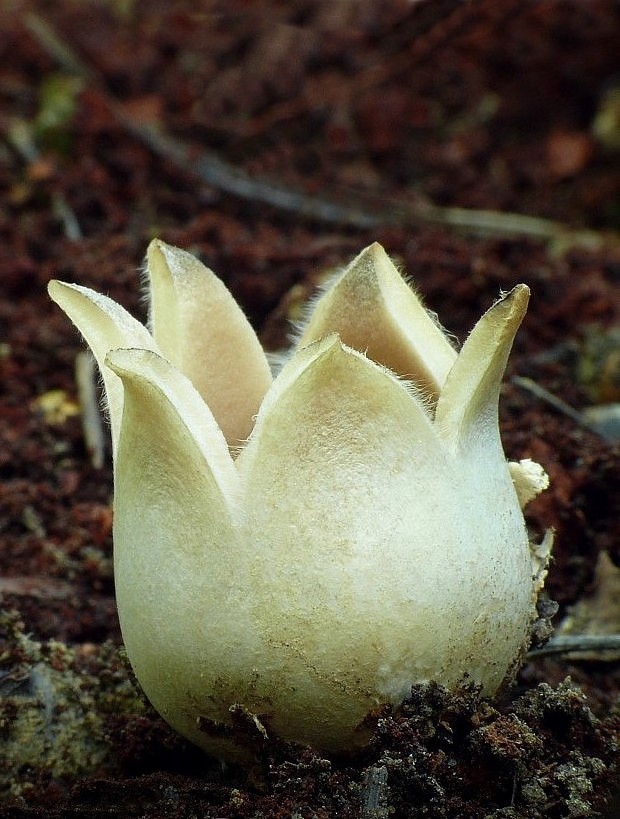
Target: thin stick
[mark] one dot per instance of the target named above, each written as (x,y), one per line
(213,170)
(578,644)
(555,402)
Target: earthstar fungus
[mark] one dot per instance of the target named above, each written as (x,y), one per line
(308,547)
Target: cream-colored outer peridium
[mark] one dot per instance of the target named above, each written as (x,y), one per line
(367,536)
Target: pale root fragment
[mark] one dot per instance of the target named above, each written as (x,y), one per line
(529,479)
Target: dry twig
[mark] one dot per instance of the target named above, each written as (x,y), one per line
(213,170)
(599,644)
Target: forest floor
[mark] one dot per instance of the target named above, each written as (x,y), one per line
(479,142)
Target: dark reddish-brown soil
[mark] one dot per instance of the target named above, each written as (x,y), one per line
(277,139)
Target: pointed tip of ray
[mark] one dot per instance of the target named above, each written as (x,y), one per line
(471,392)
